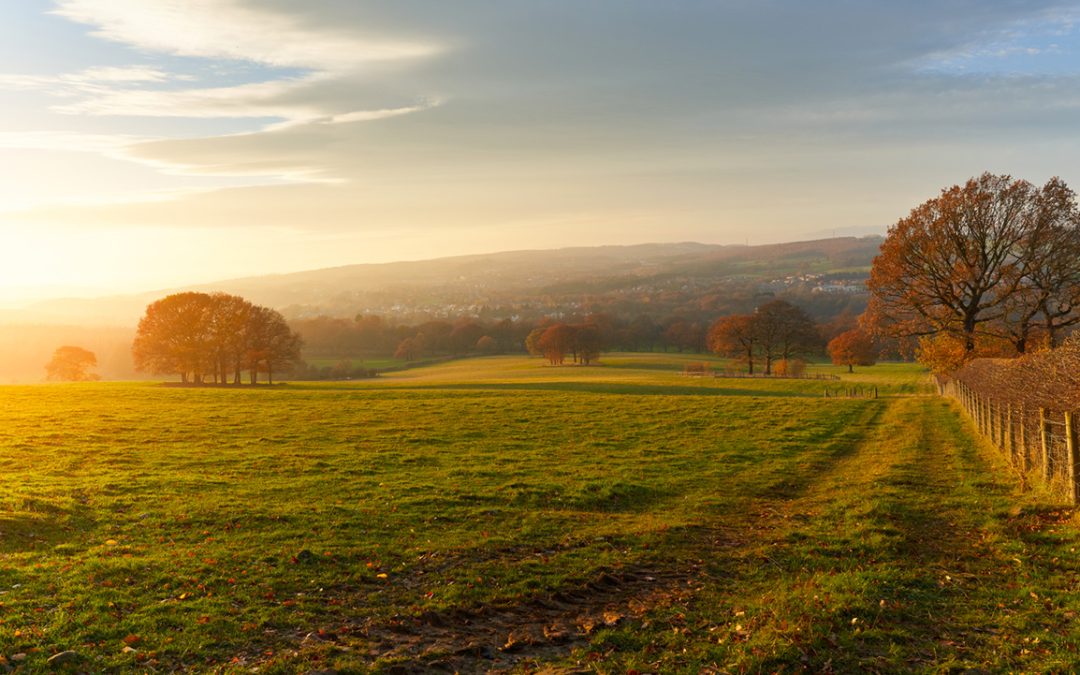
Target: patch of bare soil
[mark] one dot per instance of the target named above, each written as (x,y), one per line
(501,638)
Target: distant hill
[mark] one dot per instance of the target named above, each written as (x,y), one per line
(688,280)
(510,279)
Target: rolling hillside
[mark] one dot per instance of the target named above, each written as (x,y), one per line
(686,279)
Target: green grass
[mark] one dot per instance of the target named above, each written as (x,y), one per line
(729,524)
(356,361)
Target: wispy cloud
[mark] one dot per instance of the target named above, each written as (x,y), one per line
(274,67)
(229,29)
(89,81)
(1032,45)
(111,145)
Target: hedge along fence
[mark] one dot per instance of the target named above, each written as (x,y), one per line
(1030,409)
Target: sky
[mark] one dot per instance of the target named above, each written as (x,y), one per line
(154,143)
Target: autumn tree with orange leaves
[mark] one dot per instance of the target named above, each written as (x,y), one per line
(852,348)
(776,331)
(981,261)
(735,336)
(211,337)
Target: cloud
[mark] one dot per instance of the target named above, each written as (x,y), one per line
(495,113)
(254,100)
(297,56)
(272,65)
(230,29)
(91,80)
(111,145)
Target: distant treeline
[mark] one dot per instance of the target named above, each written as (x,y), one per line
(373,336)
(582,337)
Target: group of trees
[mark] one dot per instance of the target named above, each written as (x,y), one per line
(583,342)
(775,331)
(213,337)
(988,267)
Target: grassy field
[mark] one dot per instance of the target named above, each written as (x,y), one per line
(500,514)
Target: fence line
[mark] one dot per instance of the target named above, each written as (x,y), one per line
(1039,442)
(763,376)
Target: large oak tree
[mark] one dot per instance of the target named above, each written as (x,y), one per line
(993,257)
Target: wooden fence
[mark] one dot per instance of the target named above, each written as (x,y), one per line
(1039,442)
(763,376)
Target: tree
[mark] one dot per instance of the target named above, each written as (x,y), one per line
(1047,298)
(588,342)
(942,354)
(407,349)
(72,364)
(173,337)
(532,341)
(228,322)
(556,340)
(734,336)
(271,344)
(783,331)
(952,264)
(853,348)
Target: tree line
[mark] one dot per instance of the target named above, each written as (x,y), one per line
(213,337)
(368,336)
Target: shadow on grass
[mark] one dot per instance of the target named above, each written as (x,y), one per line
(20,532)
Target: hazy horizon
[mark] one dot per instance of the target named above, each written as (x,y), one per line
(24,298)
(153,143)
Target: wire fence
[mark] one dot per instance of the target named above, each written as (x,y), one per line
(1029,408)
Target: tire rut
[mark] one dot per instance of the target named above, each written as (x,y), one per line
(500,638)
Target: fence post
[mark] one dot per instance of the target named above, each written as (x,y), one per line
(1071,450)
(1010,441)
(991,420)
(1022,448)
(1001,426)
(1044,437)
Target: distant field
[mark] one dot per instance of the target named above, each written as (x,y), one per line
(499,513)
(357,362)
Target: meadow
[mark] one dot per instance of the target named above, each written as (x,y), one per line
(499,514)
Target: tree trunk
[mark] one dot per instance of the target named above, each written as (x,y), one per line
(269,373)
(851,368)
